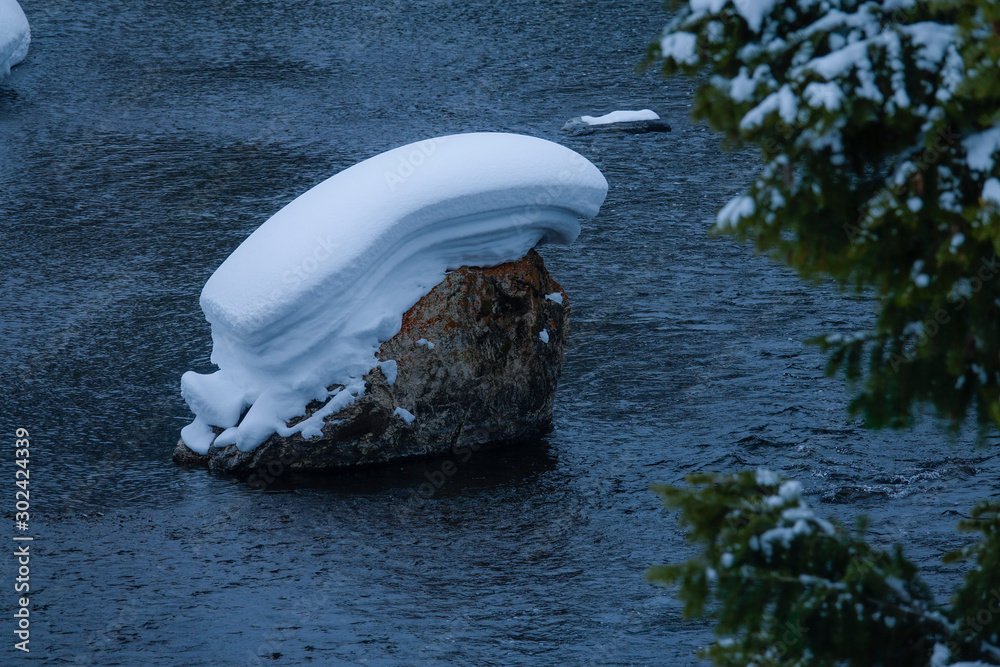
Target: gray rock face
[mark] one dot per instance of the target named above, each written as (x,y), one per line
(484,372)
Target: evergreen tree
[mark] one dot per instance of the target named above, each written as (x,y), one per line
(787,588)
(878,129)
(878,123)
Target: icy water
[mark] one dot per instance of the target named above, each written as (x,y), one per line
(141,142)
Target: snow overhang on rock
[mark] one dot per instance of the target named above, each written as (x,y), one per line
(303,303)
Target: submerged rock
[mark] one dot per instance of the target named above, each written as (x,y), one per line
(476,363)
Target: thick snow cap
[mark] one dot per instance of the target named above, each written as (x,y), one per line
(15,35)
(304,302)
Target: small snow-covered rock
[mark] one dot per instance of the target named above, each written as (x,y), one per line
(621,117)
(627,122)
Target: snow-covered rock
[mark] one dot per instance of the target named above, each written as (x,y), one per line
(15,35)
(299,309)
(631,122)
(621,117)
(487,379)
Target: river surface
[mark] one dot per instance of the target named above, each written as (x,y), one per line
(141,142)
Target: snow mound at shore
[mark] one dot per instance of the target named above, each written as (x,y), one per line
(299,309)
(15,35)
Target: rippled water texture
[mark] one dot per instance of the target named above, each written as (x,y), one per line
(140,142)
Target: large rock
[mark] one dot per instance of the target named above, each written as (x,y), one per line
(488,376)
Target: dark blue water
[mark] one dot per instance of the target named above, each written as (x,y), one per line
(141,142)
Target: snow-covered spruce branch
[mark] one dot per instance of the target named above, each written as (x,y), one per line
(878,126)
